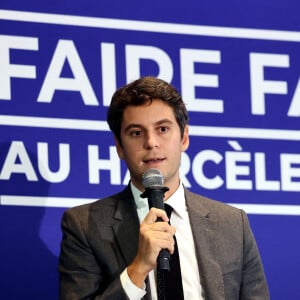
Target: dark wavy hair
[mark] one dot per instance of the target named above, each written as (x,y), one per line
(139,92)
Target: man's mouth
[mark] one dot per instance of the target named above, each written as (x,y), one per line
(153,160)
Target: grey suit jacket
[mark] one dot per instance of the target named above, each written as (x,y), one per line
(100,239)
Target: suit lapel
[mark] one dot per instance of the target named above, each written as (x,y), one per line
(203,231)
(126,228)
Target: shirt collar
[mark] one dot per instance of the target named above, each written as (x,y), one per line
(139,201)
(177,201)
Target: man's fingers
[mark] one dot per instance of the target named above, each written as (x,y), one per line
(162,227)
(157,240)
(154,236)
(154,214)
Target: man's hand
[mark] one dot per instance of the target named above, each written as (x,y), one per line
(154,236)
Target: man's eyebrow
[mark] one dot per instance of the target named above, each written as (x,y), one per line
(164,121)
(130,126)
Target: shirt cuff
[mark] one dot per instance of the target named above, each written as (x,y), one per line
(132,291)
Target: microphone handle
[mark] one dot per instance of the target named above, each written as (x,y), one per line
(155,195)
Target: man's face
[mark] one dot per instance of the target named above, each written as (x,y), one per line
(151,138)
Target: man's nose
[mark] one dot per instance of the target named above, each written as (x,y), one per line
(151,140)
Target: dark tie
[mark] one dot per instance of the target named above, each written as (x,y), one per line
(169,284)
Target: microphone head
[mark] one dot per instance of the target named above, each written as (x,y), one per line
(152,177)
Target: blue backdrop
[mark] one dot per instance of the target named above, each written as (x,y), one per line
(237,67)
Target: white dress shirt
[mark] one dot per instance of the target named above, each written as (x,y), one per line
(188,263)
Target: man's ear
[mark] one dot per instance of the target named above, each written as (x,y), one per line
(119,148)
(185,142)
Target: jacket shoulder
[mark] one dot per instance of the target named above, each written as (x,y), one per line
(103,208)
(210,205)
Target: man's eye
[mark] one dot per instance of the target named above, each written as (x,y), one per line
(163,129)
(135,133)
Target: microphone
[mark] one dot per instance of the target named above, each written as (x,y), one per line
(152,181)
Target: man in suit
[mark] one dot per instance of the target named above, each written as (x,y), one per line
(110,247)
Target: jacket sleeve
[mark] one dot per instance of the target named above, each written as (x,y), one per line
(81,276)
(253,285)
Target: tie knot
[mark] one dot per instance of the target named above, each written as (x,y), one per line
(168,210)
